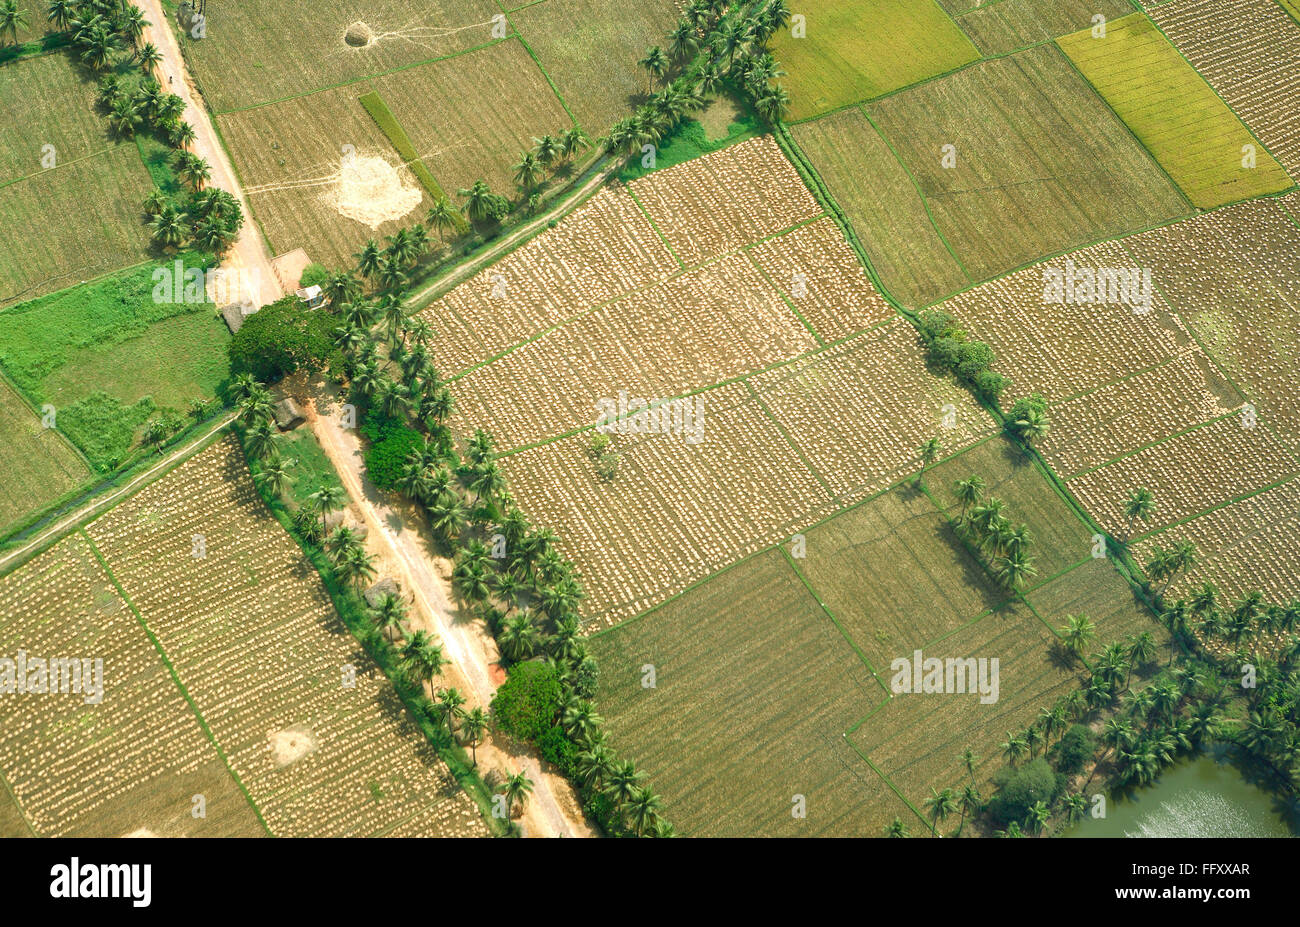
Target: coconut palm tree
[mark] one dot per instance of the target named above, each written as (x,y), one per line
(369,259)
(571,142)
(389,614)
(656,64)
(547,150)
(1014,748)
(478,201)
(773,103)
(148,57)
(622,782)
(1031,425)
(1014,569)
(971,802)
(451,706)
(170,226)
(473,727)
(325,500)
(132,23)
(355,566)
(968,493)
(449,517)
(1141,504)
(896,829)
(517,789)
(12,18)
(61,13)
(929,453)
(682,41)
(645,807)
(124,116)
(422,657)
(939,805)
(519,638)
(1036,819)
(527,171)
(1077,633)
(192,169)
(442,215)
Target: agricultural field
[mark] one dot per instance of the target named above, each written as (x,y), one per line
(1250,64)
(1006,25)
(72,210)
(93,353)
(1039,163)
(884,205)
(1174,113)
(287,50)
(857,51)
(309,190)
(211,574)
(38,462)
(746,714)
(601,88)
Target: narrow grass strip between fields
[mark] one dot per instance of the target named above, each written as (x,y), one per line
(17,805)
(831,615)
(821,342)
(885,779)
(361,80)
(925,203)
(654,225)
(1156,532)
(162,655)
(767,413)
(58,164)
(1146,447)
(537,61)
(374,104)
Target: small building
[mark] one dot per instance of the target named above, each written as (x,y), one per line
(312,296)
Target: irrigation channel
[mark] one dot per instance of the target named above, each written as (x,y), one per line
(1206,796)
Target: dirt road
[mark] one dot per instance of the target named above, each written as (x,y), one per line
(399,545)
(248,252)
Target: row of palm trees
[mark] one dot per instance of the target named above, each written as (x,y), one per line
(984,523)
(510,573)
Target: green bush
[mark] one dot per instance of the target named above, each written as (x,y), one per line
(1019,788)
(1075,750)
(528,701)
(386,458)
(281,338)
(557,749)
(314,275)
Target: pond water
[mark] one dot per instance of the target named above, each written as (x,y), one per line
(1203,797)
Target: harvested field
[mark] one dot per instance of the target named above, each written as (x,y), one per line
(1063,350)
(731,198)
(916,739)
(1095,589)
(39,464)
(858,411)
(817,271)
(599,87)
(1249,545)
(1042,165)
(253,587)
(997,28)
(883,204)
(691,332)
(1174,113)
(1247,50)
(854,51)
(47,101)
(291,49)
(676,512)
(134,759)
(290,154)
(90,215)
(895,576)
(754,686)
(1189,474)
(604,249)
(1233,275)
(1060,539)
(1097,427)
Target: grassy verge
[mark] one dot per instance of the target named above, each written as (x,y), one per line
(388,124)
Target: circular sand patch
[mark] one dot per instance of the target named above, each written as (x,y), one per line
(293,743)
(359,35)
(371,191)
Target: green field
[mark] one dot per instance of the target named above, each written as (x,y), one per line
(106,355)
(1174,113)
(858,50)
(75,214)
(1041,164)
(754,688)
(881,201)
(1004,25)
(39,465)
